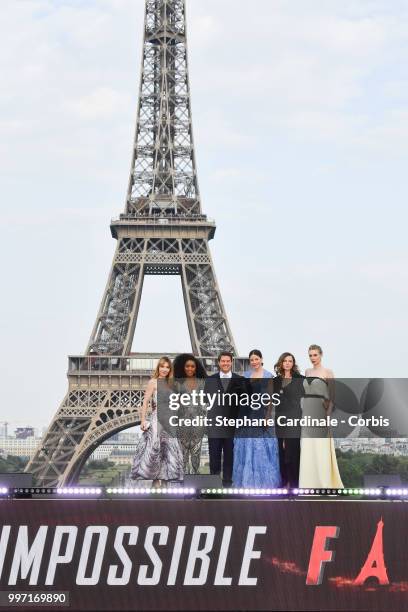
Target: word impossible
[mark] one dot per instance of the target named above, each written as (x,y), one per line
(87,550)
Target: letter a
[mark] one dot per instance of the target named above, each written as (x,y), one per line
(375,565)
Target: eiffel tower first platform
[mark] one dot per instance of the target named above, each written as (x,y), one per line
(162,231)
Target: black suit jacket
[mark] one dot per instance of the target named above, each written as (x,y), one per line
(225,407)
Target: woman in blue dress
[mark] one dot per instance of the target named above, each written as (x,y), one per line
(256,451)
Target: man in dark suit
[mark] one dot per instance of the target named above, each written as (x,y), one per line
(228,387)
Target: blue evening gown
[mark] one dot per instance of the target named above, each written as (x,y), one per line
(256,458)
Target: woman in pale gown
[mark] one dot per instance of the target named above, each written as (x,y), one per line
(158,455)
(318,462)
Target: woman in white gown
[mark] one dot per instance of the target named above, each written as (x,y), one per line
(318,462)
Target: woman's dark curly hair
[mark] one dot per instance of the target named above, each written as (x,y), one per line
(181,360)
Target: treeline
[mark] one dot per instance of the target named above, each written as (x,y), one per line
(93,465)
(104,473)
(354,466)
(12,464)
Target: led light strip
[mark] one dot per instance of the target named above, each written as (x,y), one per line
(79,491)
(152,491)
(366,492)
(397,492)
(242,491)
(383,492)
(59,491)
(298,492)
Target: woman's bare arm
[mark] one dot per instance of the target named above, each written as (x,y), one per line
(329,375)
(150,388)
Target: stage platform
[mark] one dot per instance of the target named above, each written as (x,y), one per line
(212,551)
(177,490)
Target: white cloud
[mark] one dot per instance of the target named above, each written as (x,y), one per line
(99,104)
(323,67)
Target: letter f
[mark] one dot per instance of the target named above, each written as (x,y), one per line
(320,554)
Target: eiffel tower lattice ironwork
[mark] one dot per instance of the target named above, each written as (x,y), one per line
(162,231)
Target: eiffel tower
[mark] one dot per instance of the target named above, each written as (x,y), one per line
(162,231)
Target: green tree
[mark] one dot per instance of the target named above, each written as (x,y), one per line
(12,463)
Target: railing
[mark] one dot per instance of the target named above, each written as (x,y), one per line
(138,364)
(164,220)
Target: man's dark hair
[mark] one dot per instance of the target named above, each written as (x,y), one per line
(225,354)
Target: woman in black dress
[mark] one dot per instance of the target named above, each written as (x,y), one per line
(289,384)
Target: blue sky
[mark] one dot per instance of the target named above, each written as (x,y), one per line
(300,114)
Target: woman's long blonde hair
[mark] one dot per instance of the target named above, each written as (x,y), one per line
(161,361)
